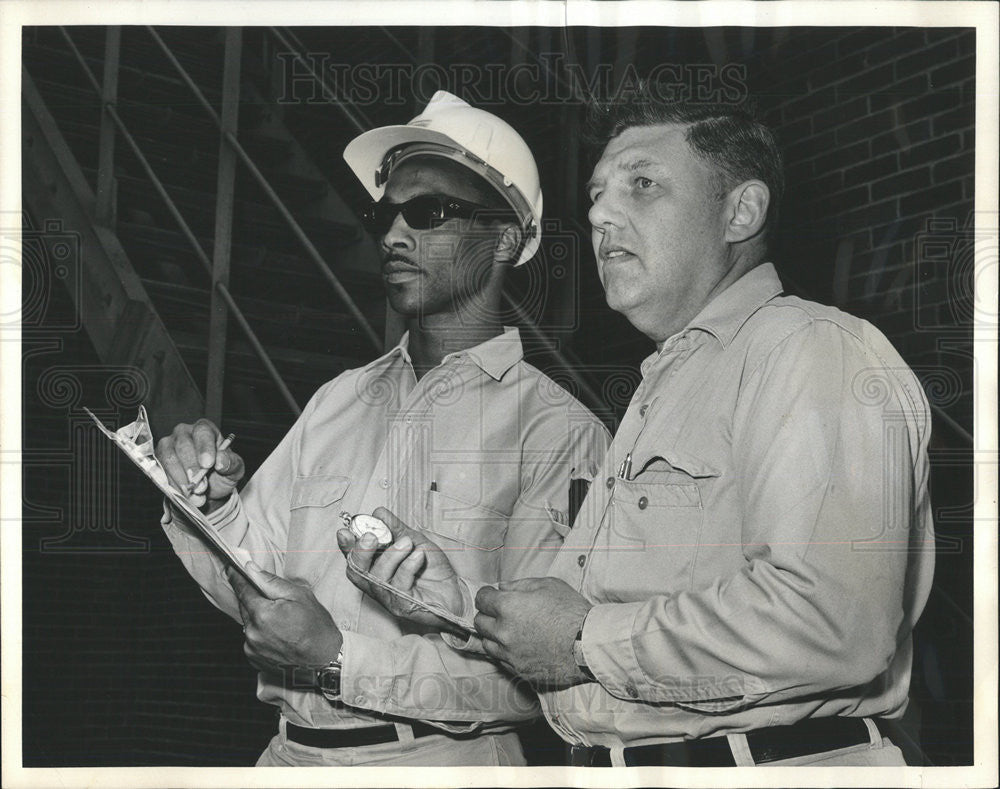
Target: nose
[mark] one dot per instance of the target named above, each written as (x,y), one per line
(399,235)
(604,213)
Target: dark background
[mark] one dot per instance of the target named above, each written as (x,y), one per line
(125,663)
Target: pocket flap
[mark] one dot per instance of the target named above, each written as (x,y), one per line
(321,490)
(677,459)
(470,524)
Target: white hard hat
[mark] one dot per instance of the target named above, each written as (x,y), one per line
(482,142)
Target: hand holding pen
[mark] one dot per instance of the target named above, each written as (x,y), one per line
(200,463)
(202,473)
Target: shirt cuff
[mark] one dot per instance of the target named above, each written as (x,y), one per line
(471,642)
(609,650)
(224,518)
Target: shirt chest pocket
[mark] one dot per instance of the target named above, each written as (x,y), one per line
(312,531)
(654,524)
(472,536)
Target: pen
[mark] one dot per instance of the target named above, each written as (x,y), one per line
(200,475)
(626,467)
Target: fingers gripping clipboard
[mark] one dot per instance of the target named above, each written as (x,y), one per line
(136,441)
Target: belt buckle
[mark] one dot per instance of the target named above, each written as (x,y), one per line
(580,755)
(589,756)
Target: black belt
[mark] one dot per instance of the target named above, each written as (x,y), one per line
(356,738)
(814,735)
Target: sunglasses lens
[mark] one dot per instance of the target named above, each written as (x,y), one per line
(421,213)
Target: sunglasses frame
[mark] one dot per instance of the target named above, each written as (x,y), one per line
(377,219)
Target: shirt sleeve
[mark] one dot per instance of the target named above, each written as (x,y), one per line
(442,677)
(834,503)
(255,521)
(419,677)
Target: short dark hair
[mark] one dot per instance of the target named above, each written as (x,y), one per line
(730,137)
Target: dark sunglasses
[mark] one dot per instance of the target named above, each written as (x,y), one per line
(424,212)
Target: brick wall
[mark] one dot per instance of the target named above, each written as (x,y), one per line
(878,131)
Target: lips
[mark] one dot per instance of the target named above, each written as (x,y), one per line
(609,253)
(397,270)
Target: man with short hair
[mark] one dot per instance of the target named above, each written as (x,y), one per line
(742,586)
(451,428)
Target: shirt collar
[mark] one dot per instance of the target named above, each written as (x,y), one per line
(497,355)
(725,315)
(494,357)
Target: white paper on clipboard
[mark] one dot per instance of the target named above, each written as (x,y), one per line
(439,611)
(136,441)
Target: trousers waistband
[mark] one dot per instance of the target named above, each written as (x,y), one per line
(771,744)
(356,738)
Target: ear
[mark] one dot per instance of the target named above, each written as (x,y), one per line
(508,244)
(747,210)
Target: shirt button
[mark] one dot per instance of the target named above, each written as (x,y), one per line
(610,483)
(383,483)
(359,700)
(643,501)
(642,411)
(581,560)
(631,691)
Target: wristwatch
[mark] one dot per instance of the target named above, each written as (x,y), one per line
(328,678)
(581,661)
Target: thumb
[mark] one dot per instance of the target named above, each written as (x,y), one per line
(523,585)
(274,586)
(396,526)
(346,540)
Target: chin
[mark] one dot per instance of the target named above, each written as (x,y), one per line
(621,300)
(407,307)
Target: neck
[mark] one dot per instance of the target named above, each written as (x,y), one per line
(738,266)
(434,337)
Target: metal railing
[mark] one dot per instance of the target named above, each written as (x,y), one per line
(218,271)
(218,267)
(109,108)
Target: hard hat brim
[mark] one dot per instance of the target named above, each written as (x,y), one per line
(364,154)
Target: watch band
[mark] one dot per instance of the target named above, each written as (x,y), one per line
(578,656)
(328,677)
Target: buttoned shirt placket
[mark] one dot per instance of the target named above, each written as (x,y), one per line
(410,431)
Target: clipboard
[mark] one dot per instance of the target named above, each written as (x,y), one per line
(136,441)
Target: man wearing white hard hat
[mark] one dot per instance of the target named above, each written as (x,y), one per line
(451,429)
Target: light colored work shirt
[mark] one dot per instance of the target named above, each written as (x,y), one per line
(765,552)
(480,453)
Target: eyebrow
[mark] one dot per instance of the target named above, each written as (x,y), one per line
(630,167)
